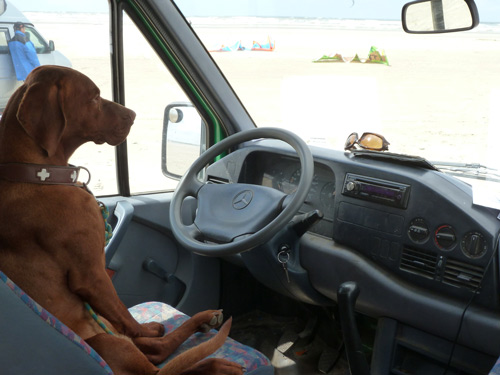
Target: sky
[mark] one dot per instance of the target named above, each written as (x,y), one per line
(489,10)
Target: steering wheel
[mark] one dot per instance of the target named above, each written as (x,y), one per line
(232,218)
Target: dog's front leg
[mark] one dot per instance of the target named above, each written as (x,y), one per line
(87,276)
(107,304)
(159,349)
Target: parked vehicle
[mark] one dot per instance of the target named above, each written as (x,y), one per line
(45,51)
(237,189)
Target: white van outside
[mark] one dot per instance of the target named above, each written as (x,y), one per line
(46,52)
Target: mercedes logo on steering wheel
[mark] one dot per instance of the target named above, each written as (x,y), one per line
(242,199)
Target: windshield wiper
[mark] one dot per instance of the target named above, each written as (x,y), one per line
(469,170)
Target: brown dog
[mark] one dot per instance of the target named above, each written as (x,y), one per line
(54,232)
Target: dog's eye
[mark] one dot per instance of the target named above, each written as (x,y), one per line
(96,102)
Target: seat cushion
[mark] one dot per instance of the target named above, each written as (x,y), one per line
(22,317)
(32,340)
(252,360)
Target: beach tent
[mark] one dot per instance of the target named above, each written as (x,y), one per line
(269,46)
(238,46)
(374,57)
(233,47)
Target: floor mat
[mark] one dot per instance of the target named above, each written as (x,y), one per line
(293,346)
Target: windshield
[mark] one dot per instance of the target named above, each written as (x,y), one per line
(302,66)
(323,69)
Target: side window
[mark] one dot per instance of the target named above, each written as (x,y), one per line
(4,47)
(149,88)
(35,38)
(82,41)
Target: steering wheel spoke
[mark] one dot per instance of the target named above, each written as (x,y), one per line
(287,200)
(193,232)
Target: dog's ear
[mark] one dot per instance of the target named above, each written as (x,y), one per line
(41,115)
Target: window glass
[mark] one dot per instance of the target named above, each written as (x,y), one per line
(149,89)
(35,38)
(80,31)
(434,96)
(4,48)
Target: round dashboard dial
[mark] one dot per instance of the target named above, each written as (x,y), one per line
(327,195)
(418,231)
(474,245)
(293,182)
(445,237)
(295,177)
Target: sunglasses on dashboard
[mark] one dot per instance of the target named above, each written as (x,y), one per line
(368,141)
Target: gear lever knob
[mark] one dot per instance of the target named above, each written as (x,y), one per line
(347,293)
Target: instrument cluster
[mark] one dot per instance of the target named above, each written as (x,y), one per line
(283,173)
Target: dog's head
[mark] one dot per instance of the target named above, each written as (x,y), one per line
(61,107)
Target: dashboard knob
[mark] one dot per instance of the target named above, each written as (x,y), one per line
(474,245)
(418,231)
(445,237)
(350,185)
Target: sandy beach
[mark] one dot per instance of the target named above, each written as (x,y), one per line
(322,102)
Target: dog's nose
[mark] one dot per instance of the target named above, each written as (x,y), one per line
(130,115)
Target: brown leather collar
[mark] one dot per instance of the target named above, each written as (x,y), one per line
(42,174)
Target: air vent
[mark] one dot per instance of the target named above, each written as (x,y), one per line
(419,262)
(462,275)
(217,180)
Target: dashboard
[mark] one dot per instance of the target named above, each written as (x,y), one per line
(403,232)
(417,223)
(401,223)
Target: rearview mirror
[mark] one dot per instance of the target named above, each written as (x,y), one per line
(439,16)
(184,138)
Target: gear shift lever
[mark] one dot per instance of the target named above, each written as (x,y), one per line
(347,293)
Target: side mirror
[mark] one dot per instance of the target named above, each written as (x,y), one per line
(52,46)
(184,138)
(439,16)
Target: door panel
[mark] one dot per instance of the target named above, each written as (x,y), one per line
(149,265)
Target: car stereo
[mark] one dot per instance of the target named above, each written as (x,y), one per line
(376,190)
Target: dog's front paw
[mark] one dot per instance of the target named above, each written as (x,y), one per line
(152,329)
(209,319)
